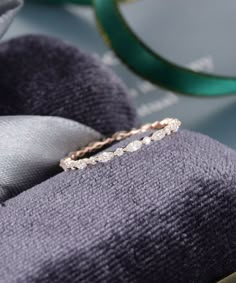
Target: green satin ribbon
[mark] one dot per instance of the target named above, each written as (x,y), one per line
(145,62)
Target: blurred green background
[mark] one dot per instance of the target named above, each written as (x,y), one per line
(198,34)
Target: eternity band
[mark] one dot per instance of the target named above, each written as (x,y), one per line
(161,129)
(118,136)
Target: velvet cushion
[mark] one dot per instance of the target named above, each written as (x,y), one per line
(165,213)
(45,76)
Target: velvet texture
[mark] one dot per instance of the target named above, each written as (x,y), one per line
(31,147)
(165,213)
(45,76)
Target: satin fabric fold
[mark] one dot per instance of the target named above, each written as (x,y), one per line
(8,10)
(32,146)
